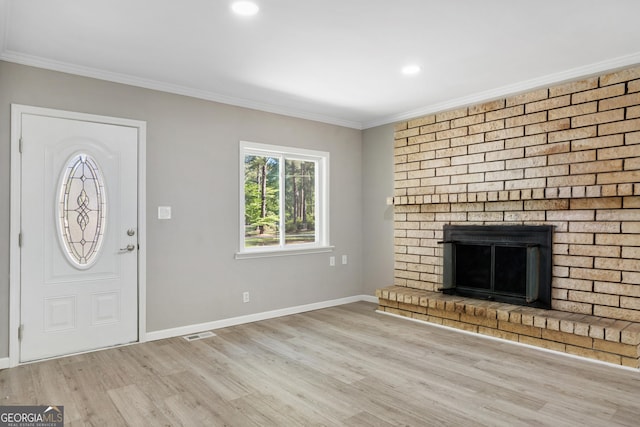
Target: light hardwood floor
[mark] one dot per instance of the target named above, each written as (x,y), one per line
(345,365)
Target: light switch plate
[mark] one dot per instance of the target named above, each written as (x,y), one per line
(164,212)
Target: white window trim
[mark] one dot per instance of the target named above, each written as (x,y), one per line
(322,199)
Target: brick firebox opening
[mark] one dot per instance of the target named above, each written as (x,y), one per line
(567,156)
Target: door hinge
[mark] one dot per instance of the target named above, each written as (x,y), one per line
(20,332)
(20,239)
(20,145)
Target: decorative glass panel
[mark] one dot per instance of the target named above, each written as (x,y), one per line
(82,210)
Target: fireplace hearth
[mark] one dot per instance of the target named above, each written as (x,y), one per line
(509,264)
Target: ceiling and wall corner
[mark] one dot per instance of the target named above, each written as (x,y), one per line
(332,61)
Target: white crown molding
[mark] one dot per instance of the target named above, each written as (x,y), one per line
(49,64)
(476,98)
(509,90)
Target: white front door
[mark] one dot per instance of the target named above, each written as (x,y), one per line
(79,236)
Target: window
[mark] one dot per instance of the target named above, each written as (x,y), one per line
(283,199)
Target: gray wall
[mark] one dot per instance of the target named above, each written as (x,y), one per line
(377,217)
(192,165)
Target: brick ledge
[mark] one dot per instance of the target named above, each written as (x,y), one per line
(580,191)
(608,340)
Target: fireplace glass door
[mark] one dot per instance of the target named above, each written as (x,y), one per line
(497,269)
(501,263)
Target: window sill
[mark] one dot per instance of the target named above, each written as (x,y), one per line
(283,252)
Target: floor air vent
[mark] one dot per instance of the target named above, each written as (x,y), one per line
(199,336)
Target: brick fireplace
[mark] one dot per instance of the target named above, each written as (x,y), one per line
(567,156)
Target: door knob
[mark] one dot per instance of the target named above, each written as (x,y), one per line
(129,248)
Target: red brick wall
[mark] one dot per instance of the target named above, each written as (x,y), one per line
(568,155)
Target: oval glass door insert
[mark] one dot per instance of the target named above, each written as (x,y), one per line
(82,210)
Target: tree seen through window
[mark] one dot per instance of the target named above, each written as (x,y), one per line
(275,185)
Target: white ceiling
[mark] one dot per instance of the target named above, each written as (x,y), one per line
(336,61)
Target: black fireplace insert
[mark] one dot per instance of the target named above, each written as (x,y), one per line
(510,263)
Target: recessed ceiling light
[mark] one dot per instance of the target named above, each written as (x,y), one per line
(412,69)
(245,8)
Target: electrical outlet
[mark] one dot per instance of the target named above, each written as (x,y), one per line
(332,261)
(344,259)
(245,297)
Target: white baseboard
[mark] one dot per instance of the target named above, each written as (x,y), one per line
(4,363)
(369,298)
(225,323)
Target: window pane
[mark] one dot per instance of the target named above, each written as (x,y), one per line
(300,202)
(261,200)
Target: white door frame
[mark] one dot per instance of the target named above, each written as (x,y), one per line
(15,224)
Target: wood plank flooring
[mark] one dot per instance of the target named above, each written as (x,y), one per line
(342,366)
